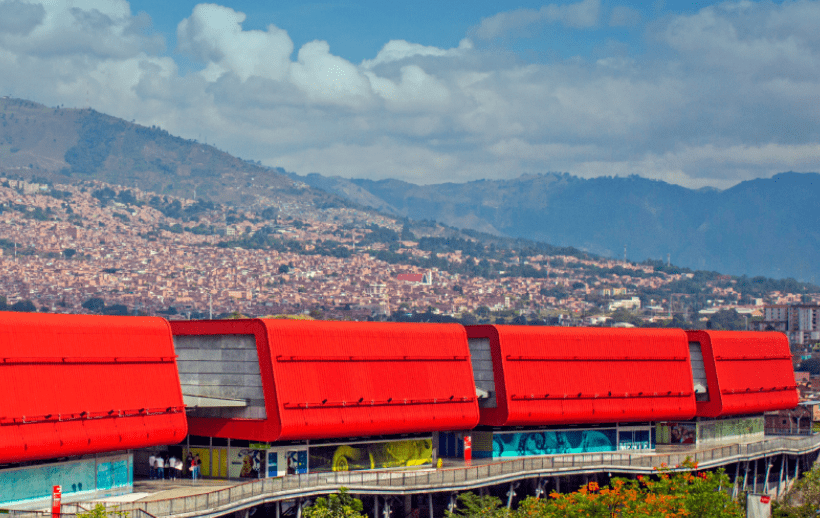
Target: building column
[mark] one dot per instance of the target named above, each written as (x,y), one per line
(734,485)
(755,488)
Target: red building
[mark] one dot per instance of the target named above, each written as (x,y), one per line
(331,379)
(747,372)
(556,375)
(86,384)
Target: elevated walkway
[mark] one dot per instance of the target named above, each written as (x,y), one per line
(211,498)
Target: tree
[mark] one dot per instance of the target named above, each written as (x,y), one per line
(283,268)
(68,253)
(811,365)
(474,506)
(100,511)
(342,505)
(24,306)
(727,319)
(94,304)
(803,500)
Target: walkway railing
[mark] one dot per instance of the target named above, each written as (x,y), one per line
(249,494)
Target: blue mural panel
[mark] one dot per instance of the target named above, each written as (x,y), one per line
(21,485)
(553,442)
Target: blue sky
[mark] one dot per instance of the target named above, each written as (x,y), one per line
(692,93)
(358,30)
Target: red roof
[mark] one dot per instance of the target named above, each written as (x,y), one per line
(411,277)
(557,375)
(76,384)
(747,372)
(348,379)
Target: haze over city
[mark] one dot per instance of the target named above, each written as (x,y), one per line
(691,93)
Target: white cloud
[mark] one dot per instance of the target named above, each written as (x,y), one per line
(327,78)
(728,94)
(214,35)
(397,50)
(578,15)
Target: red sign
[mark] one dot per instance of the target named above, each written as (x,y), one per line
(56,497)
(468,448)
(765,499)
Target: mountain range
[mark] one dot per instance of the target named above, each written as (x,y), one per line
(763,227)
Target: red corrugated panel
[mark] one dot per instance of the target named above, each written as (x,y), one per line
(555,375)
(76,384)
(748,372)
(346,379)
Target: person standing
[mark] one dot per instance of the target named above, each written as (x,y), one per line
(152,468)
(189,466)
(178,466)
(194,474)
(160,467)
(172,468)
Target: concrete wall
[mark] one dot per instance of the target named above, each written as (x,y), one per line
(482,361)
(221,366)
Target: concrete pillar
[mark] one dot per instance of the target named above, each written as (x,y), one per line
(755,488)
(452,505)
(734,486)
(510,495)
(408,505)
(386,509)
(375,506)
(299,508)
(278,509)
(780,478)
(766,482)
(430,503)
(745,474)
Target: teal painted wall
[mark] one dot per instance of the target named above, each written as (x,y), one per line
(78,478)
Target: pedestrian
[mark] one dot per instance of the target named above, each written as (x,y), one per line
(152,468)
(160,467)
(172,468)
(189,463)
(194,474)
(179,466)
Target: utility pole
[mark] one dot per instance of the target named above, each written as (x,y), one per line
(210,308)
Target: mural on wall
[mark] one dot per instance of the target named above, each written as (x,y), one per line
(247,463)
(676,433)
(297,462)
(733,427)
(112,475)
(415,452)
(552,442)
(27,484)
(19,485)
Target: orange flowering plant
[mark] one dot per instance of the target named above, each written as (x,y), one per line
(669,493)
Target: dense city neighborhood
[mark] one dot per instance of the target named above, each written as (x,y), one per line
(100,248)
